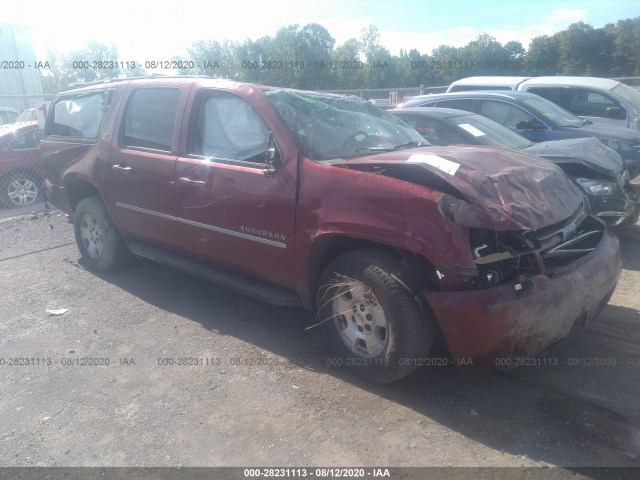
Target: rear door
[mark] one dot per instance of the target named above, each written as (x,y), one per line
(139,178)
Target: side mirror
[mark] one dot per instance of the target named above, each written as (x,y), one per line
(616,113)
(272,159)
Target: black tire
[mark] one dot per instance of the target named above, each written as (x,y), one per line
(372,322)
(20,189)
(100,244)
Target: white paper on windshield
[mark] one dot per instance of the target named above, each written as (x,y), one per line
(440,163)
(472,130)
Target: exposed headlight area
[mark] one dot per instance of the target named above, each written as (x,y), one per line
(514,256)
(598,187)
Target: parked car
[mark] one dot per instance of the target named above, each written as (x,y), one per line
(326,201)
(21,172)
(601,100)
(537,119)
(596,169)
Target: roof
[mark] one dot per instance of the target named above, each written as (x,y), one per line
(204,81)
(605,83)
(488,80)
(433,112)
(506,94)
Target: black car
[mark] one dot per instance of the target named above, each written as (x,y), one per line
(596,169)
(537,119)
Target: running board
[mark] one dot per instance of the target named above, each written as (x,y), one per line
(251,287)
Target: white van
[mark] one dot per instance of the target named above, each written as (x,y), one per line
(600,100)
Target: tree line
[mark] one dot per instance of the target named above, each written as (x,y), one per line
(307,57)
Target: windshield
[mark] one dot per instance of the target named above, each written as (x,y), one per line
(490,133)
(628,94)
(553,112)
(328,127)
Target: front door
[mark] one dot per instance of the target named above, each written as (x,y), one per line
(238,215)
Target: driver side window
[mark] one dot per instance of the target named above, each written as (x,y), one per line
(504,113)
(591,103)
(226,127)
(27,141)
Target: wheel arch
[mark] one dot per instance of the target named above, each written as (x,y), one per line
(415,272)
(78,189)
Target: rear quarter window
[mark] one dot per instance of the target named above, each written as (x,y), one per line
(78,116)
(460,104)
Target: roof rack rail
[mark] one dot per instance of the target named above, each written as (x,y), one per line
(75,85)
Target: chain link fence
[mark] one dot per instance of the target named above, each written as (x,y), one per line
(389,97)
(631,81)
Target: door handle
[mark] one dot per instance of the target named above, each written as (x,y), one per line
(199,183)
(121,168)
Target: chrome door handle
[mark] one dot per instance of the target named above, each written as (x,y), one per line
(121,168)
(191,182)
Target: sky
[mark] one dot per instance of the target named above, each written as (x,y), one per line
(150,30)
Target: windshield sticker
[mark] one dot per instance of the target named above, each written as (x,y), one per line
(443,164)
(472,130)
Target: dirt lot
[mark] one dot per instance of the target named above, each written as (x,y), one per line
(286,407)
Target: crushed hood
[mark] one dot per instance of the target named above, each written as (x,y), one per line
(589,152)
(507,190)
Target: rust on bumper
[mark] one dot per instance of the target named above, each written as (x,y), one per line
(488,325)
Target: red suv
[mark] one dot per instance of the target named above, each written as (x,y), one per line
(326,201)
(21,170)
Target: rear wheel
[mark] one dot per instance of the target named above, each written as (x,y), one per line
(372,321)
(100,244)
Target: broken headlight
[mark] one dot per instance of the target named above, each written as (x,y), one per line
(596,187)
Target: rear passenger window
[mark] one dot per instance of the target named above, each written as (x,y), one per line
(78,117)
(150,118)
(460,104)
(225,126)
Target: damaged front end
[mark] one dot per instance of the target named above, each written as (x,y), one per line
(528,290)
(512,256)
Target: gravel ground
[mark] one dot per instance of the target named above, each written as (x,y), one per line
(267,396)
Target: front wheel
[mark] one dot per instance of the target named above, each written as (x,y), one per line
(20,189)
(100,244)
(373,323)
